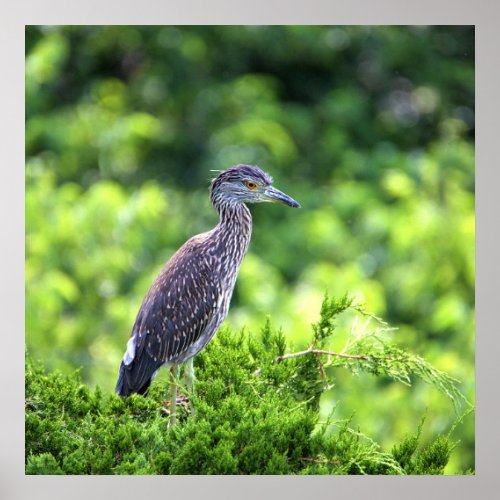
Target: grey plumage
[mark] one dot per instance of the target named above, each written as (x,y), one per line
(190,298)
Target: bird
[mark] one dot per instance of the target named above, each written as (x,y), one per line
(189,299)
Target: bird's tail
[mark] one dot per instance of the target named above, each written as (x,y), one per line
(135,377)
(122,388)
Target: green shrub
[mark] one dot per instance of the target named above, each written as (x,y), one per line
(256,413)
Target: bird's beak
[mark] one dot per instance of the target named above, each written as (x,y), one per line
(276,196)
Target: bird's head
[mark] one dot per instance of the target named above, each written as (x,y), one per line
(247,184)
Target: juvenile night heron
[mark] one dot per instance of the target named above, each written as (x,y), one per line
(190,298)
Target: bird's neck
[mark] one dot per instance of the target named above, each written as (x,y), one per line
(235,227)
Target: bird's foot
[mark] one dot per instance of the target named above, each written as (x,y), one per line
(182,400)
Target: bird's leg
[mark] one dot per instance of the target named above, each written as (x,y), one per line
(174,373)
(188,380)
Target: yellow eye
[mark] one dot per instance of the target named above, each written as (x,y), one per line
(251,185)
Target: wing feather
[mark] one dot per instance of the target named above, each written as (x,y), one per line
(180,306)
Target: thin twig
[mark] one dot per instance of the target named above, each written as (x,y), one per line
(321,367)
(320,351)
(341,355)
(361,310)
(316,461)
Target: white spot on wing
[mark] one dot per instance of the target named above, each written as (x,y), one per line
(128,357)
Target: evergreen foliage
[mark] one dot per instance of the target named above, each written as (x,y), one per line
(256,413)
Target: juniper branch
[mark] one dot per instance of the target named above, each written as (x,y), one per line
(367,350)
(311,350)
(317,461)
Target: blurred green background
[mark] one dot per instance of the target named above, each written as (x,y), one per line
(371,129)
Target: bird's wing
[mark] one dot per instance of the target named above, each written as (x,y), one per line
(179,307)
(178,316)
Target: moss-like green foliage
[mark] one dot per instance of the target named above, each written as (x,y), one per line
(432,459)
(256,413)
